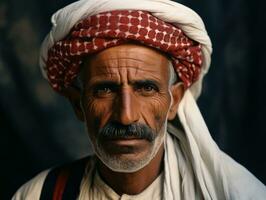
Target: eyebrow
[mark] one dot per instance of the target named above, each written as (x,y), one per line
(134,83)
(145,82)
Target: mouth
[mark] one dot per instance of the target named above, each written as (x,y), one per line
(127,145)
(126,141)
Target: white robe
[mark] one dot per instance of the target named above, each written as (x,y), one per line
(92,188)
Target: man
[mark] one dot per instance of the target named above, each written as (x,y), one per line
(129,68)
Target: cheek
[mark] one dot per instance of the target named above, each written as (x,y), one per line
(156,110)
(97,113)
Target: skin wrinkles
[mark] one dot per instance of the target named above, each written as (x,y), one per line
(111,73)
(109,62)
(116,69)
(128,84)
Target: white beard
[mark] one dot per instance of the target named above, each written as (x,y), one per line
(128,166)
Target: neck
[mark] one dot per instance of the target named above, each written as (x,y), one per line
(136,182)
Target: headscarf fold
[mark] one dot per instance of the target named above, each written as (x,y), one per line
(194,162)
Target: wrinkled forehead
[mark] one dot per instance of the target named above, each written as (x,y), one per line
(135,61)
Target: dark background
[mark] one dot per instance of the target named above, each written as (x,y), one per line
(38,128)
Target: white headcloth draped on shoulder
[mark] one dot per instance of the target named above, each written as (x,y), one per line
(195,168)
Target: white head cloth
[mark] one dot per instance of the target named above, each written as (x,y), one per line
(195,168)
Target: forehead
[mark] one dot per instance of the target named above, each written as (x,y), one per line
(132,60)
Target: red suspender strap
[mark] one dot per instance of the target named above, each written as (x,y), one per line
(63,183)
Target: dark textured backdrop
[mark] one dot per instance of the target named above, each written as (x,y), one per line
(38,128)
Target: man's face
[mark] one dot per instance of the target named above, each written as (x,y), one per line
(125,101)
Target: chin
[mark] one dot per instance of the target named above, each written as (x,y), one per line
(130,161)
(126,163)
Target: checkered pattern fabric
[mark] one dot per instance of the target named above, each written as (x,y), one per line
(112,28)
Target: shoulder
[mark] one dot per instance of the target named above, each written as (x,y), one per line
(243,184)
(31,189)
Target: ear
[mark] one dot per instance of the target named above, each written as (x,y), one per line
(74,96)
(177,91)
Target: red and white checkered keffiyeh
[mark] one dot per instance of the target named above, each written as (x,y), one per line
(108,29)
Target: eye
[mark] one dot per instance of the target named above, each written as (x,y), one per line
(103,91)
(147,89)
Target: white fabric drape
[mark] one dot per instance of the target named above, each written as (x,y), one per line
(195,168)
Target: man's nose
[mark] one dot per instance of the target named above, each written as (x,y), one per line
(127,107)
